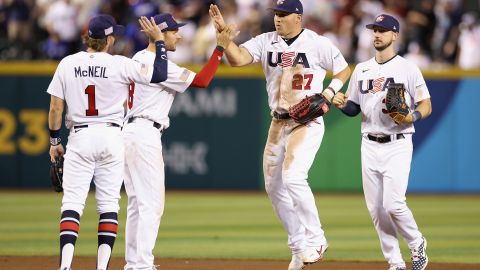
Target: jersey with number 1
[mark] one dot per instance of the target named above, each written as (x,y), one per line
(315,53)
(154,101)
(95,86)
(368,88)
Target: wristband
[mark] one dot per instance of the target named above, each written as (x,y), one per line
(220,48)
(335,85)
(55,137)
(55,141)
(331,89)
(55,133)
(416,115)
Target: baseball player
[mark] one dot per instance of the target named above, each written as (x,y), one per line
(295,61)
(146,120)
(387,144)
(94,86)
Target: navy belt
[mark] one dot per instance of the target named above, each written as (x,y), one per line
(86,126)
(385,139)
(155,124)
(280,116)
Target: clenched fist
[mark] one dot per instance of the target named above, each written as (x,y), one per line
(340,100)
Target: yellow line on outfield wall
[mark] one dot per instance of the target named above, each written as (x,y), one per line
(26,68)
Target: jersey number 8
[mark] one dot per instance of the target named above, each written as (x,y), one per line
(131,91)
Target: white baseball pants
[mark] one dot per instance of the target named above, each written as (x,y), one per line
(145,186)
(288,156)
(385,170)
(93,153)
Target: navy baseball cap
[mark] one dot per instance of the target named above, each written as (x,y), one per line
(166,22)
(289,6)
(387,22)
(102,26)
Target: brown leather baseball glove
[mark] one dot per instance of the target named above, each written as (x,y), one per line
(56,174)
(395,102)
(309,108)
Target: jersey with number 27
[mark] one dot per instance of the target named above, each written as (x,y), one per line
(315,53)
(95,86)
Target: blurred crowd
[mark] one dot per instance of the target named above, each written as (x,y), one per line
(434,33)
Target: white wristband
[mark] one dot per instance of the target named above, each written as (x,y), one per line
(336,84)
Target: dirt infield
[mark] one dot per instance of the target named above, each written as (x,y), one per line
(86,263)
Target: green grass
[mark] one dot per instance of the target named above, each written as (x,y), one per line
(243,225)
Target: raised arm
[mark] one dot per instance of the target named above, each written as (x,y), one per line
(236,56)
(160,64)
(202,79)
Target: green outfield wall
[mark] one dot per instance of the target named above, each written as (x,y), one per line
(217,135)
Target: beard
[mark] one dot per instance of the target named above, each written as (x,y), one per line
(383,47)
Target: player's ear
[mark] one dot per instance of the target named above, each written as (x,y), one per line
(299,18)
(395,36)
(110,40)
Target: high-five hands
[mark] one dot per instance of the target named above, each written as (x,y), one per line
(226,36)
(151,29)
(217,18)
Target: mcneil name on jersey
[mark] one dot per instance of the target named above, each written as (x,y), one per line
(90,71)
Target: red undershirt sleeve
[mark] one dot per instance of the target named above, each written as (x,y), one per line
(202,79)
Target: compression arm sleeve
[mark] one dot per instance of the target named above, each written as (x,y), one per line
(203,78)
(351,109)
(160,64)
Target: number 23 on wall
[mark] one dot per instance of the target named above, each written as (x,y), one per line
(33,141)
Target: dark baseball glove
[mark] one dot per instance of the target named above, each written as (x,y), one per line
(395,102)
(309,109)
(56,174)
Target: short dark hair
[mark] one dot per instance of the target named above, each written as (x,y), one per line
(96,44)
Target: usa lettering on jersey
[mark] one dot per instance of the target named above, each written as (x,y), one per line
(375,85)
(287,59)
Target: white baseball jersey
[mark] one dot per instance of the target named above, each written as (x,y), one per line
(386,166)
(368,86)
(154,101)
(145,180)
(314,52)
(293,72)
(94,86)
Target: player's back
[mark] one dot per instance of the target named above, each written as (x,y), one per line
(94,87)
